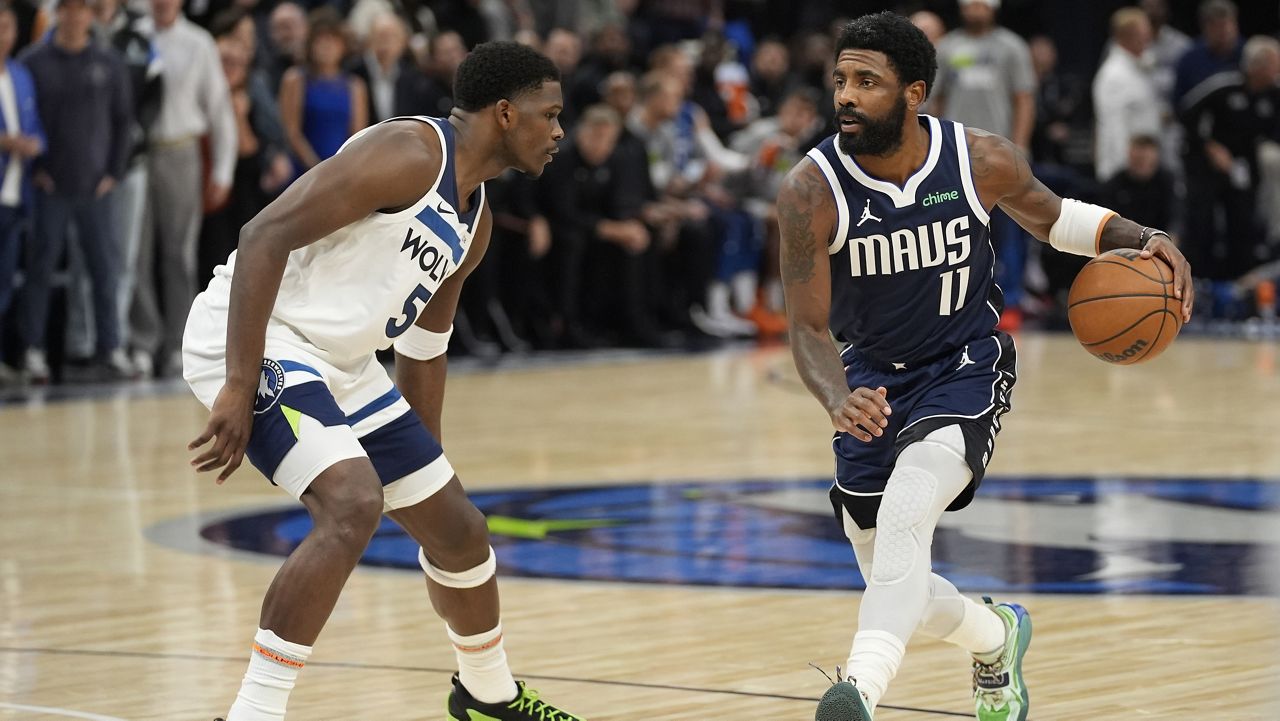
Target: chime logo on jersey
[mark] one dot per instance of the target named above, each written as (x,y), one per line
(927,246)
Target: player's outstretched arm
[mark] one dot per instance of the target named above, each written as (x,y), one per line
(388,168)
(1003,177)
(807,219)
(421,363)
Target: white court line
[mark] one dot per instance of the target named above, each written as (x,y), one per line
(52,711)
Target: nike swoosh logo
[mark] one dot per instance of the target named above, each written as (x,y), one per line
(440,208)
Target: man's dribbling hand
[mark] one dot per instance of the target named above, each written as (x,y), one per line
(863,413)
(230,422)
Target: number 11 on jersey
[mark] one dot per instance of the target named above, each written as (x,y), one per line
(961,284)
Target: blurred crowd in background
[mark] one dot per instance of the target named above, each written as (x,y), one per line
(139,136)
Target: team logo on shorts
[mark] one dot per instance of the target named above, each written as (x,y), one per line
(270,383)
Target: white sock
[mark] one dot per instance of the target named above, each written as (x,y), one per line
(981,632)
(273,669)
(482,666)
(873,662)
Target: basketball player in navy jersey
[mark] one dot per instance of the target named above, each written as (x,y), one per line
(885,246)
(367,251)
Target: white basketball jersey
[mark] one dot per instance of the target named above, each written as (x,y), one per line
(354,291)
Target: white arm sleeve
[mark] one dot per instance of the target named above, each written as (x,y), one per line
(1079,227)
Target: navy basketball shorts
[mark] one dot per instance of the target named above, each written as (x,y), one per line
(970,387)
(312,412)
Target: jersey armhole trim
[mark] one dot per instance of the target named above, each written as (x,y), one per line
(842,208)
(966,176)
(413,210)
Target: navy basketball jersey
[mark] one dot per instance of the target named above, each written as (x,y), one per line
(912,269)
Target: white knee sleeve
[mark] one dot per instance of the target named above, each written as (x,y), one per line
(863,541)
(469,578)
(929,474)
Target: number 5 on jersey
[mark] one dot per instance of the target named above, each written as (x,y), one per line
(961,283)
(397,327)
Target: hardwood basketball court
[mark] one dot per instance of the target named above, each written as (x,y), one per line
(129,588)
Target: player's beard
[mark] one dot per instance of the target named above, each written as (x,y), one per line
(878,136)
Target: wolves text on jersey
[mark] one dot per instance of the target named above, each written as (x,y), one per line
(433,262)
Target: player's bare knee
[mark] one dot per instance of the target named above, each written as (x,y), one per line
(465,545)
(348,506)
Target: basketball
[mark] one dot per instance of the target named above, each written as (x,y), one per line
(1122,308)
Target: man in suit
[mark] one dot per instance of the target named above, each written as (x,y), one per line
(396,86)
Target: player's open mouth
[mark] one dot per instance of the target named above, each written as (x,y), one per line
(848,123)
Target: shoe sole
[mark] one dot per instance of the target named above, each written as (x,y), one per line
(1023,619)
(842,702)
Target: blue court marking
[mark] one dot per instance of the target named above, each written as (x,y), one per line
(383,401)
(1082,535)
(431,218)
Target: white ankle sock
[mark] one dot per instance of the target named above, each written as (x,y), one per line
(981,632)
(273,669)
(482,666)
(873,662)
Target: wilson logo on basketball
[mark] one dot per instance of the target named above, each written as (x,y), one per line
(1125,355)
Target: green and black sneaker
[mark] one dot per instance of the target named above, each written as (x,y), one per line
(526,707)
(999,692)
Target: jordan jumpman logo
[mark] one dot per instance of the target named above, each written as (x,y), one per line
(866,215)
(965,360)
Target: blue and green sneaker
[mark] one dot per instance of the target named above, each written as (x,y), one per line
(999,693)
(526,707)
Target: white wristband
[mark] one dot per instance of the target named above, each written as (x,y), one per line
(1079,227)
(421,344)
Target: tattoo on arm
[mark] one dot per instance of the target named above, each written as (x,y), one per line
(795,218)
(1001,172)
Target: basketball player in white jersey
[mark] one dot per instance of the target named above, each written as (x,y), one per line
(885,244)
(367,251)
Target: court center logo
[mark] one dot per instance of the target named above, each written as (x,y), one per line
(270,383)
(1021,535)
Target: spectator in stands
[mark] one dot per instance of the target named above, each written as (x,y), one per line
(262,159)
(446,53)
(1216,50)
(21,141)
(321,104)
(1143,191)
(196,102)
(610,52)
(82,92)
(287,41)
(771,76)
(985,80)
(1228,117)
(1125,103)
(930,24)
(129,33)
(1168,45)
(395,85)
(1060,102)
(775,145)
(598,237)
(565,50)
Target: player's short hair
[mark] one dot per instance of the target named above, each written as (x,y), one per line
(500,70)
(909,51)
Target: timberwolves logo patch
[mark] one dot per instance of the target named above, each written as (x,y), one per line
(270,383)
(1082,535)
